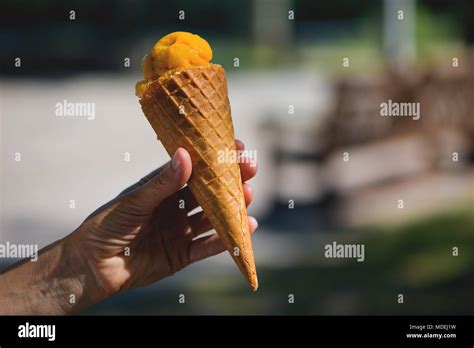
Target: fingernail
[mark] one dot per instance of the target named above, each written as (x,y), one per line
(254,221)
(175,163)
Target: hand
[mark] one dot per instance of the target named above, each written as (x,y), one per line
(143,235)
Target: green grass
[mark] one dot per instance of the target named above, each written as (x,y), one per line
(438,40)
(415,260)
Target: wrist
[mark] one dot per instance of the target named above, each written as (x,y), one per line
(58,282)
(87,289)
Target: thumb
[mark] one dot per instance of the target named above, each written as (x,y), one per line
(169,179)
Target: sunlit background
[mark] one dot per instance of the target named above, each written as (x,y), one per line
(306,80)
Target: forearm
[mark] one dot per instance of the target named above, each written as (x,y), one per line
(59,282)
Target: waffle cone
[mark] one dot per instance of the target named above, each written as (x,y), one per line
(191,109)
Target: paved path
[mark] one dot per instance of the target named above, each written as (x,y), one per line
(73,158)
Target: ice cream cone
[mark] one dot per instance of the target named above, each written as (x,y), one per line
(191,109)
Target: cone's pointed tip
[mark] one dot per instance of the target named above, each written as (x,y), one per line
(254,284)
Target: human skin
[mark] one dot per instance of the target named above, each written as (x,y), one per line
(137,239)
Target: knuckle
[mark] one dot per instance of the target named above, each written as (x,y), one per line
(159,181)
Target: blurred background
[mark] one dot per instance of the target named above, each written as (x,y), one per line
(306,81)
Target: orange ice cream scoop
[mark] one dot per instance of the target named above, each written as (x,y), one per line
(172,53)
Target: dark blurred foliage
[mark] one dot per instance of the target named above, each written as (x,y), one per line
(462,10)
(105,31)
(335,19)
(340,9)
(414,259)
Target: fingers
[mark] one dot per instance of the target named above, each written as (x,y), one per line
(239,145)
(166,181)
(189,199)
(212,245)
(140,182)
(248,171)
(253,224)
(248,194)
(200,224)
